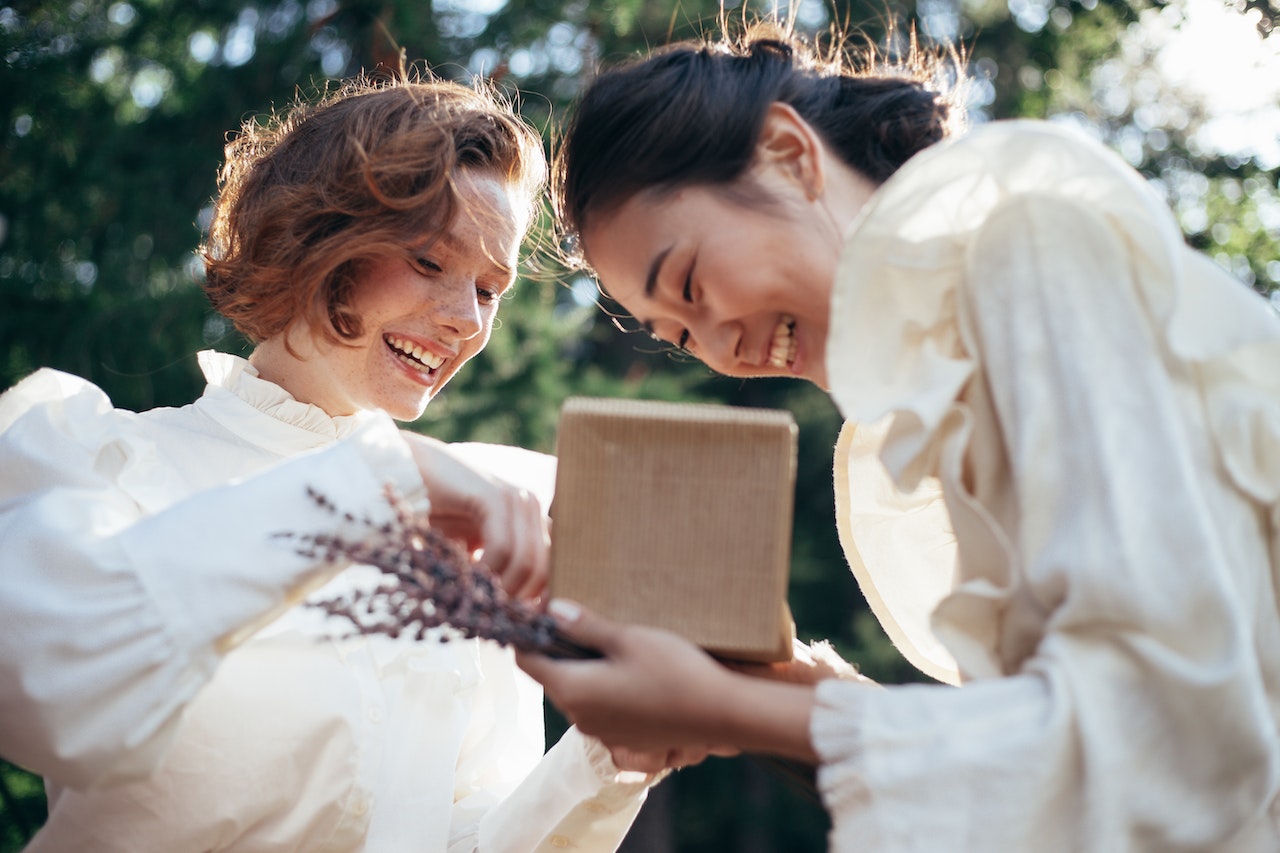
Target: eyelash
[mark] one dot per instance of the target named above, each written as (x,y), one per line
(486,295)
(687,294)
(426,266)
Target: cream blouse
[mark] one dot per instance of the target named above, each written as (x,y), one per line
(1066,497)
(136,550)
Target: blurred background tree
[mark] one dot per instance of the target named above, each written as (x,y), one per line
(112,118)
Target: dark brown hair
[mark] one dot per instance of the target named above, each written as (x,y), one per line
(691,114)
(367,170)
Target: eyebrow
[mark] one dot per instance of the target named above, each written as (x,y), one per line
(452,243)
(651,280)
(651,284)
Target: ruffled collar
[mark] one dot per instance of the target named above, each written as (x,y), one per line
(262,412)
(894,346)
(897,345)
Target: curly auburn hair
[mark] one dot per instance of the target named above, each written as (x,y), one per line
(366,171)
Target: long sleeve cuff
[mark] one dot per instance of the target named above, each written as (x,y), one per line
(835,731)
(576,798)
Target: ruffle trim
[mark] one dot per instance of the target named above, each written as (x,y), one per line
(891,527)
(900,357)
(835,730)
(304,425)
(615,785)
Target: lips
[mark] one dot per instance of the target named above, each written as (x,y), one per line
(413,354)
(782,348)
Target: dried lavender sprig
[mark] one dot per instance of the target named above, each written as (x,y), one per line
(429,582)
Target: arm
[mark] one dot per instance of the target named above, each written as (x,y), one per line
(114,617)
(1140,721)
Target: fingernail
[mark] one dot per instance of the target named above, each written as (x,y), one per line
(564,609)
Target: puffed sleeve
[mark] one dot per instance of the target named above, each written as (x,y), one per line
(112,618)
(1140,721)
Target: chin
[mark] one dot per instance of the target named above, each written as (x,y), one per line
(406,411)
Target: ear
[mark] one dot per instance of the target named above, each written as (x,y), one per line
(789,143)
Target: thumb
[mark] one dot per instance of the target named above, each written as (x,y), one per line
(584,626)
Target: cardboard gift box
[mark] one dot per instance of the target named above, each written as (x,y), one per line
(678,515)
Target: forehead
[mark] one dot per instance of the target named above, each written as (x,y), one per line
(626,246)
(491,209)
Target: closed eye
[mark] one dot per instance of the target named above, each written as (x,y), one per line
(681,340)
(687,295)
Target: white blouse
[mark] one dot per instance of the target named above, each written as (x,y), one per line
(138,562)
(1059,487)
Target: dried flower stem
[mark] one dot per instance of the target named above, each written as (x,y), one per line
(429,582)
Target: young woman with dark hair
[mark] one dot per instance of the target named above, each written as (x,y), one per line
(1059,482)
(152,667)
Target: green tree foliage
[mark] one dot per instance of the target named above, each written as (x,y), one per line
(112,118)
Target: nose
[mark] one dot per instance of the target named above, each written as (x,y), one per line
(718,345)
(457,309)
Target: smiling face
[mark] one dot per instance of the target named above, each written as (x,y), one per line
(421,317)
(740,275)
(744,289)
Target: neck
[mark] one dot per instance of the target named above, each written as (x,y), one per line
(845,194)
(296,372)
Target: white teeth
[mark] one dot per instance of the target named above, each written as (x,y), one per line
(413,351)
(782,349)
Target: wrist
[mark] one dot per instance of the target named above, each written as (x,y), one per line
(764,716)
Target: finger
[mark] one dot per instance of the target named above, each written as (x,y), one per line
(539,562)
(687,756)
(541,574)
(638,760)
(498,539)
(557,675)
(526,540)
(757,670)
(585,626)
(526,574)
(540,668)
(460,530)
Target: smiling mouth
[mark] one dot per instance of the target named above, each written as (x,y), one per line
(782,349)
(412,354)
